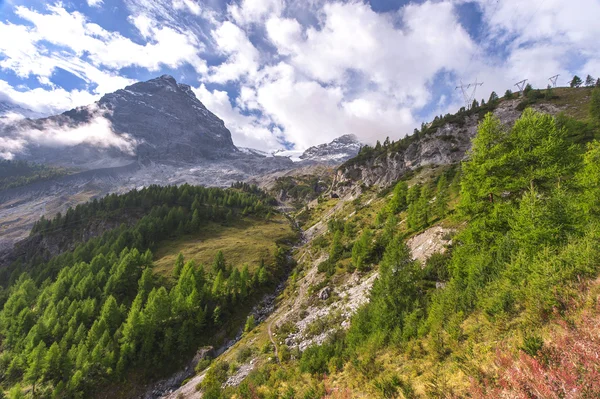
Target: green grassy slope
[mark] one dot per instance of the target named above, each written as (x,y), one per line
(515,279)
(247,241)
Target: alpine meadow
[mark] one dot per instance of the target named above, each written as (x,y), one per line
(269,199)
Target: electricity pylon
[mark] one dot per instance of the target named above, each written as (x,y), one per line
(468,95)
(521,85)
(553,80)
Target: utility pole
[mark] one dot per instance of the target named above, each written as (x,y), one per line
(468,95)
(521,86)
(553,80)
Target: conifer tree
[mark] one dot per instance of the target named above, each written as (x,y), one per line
(441,197)
(398,201)
(589,81)
(335,252)
(361,250)
(219,263)
(395,293)
(36,363)
(250,324)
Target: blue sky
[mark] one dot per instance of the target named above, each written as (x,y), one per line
(290,74)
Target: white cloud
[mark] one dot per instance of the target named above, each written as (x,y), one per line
(97,132)
(88,51)
(243,57)
(95,3)
(47,101)
(353,39)
(254,11)
(246,131)
(165,45)
(189,5)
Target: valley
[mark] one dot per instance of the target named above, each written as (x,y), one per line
(418,268)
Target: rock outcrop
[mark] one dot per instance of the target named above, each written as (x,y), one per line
(447,145)
(339,150)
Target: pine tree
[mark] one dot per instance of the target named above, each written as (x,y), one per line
(195,220)
(36,365)
(396,292)
(217,287)
(250,324)
(413,194)
(335,252)
(418,214)
(508,94)
(576,81)
(110,314)
(244,281)
(493,98)
(398,202)
(53,363)
(217,315)
(441,197)
(219,264)
(361,250)
(589,81)
(263,275)
(179,262)
(146,283)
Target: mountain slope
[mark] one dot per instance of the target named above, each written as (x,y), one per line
(7,109)
(339,150)
(167,120)
(491,274)
(158,120)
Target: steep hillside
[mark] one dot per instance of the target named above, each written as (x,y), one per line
(447,139)
(87,312)
(433,279)
(439,283)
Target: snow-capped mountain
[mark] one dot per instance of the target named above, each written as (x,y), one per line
(339,150)
(8,109)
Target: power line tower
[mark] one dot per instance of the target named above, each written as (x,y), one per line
(521,85)
(553,80)
(469,95)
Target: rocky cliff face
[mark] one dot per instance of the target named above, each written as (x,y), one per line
(339,150)
(158,120)
(448,144)
(167,120)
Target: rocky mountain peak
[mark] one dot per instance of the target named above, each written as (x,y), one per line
(339,150)
(164,118)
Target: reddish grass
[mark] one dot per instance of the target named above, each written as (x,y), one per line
(567,367)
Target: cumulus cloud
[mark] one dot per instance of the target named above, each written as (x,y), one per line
(284,72)
(242,56)
(95,3)
(246,131)
(254,11)
(59,39)
(17,137)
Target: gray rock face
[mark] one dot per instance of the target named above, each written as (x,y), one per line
(154,121)
(339,150)
(167,119)
(324,293)
(448,145)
